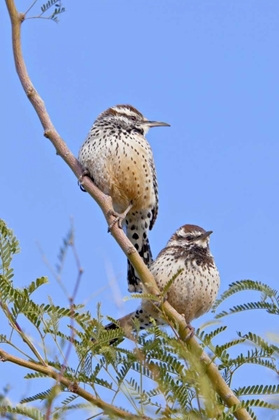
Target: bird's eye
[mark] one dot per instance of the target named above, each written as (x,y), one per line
(133,118)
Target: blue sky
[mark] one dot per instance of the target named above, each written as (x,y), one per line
(208,68)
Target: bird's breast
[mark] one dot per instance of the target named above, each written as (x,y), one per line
(195,287)
(123,168)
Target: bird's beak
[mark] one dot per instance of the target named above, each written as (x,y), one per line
(156,124)
(205,234)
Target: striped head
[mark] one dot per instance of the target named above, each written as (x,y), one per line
(190,236)
(127,118)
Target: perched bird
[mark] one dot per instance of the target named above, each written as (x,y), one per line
(119,160)
(195,288)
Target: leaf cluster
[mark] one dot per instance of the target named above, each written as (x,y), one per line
(158,377)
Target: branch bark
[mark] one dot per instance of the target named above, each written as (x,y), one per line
(105,204)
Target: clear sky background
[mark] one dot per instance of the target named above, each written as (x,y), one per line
(208,68)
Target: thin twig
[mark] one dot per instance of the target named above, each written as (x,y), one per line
(72,301)
(30,7)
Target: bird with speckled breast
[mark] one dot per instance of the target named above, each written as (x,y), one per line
(119,160)
(194,289)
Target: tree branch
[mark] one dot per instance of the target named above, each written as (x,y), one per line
(105,204)
(51,373)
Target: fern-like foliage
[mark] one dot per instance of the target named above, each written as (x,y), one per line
(268,349)
(27,412)
(58,9)
(269,307)
(170,282)
(35,375)
(159,376)
(44,395)
(67,242)
(258,390)
(269,298)
(207,338)
(244,285)
(9,246)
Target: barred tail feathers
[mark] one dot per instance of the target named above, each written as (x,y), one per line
(137,229)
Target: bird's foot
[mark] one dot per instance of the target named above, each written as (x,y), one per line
(85,172)
(118,217)
(191,332)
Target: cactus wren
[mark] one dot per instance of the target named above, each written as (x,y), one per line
(120,162)
(195,288)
